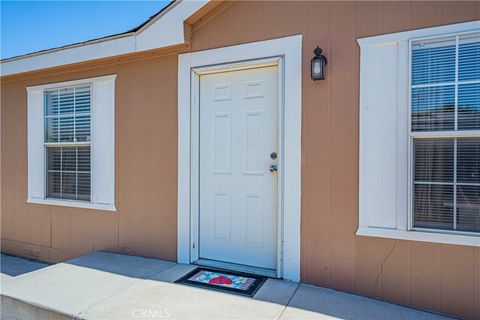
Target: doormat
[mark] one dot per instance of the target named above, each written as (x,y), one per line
(222,280)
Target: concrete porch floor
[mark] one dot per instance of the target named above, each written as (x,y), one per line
(114,286)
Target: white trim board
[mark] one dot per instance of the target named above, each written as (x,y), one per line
(73,204)
(276,62)
(288,50)
(384,161)
(412,235)
(166,30)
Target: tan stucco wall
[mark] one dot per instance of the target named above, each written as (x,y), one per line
(443,278)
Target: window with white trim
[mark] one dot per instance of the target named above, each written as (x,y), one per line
(445,133)
(71,143)
(419,155)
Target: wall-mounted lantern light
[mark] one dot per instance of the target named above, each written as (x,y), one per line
(318,65)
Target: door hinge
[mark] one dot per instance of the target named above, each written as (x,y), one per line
(193,245)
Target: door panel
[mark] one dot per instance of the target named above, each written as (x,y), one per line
(238,193)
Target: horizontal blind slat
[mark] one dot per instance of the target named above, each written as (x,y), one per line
(468,58)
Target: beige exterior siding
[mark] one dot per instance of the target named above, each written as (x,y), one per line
(146,174)
(437,277)
(442,278)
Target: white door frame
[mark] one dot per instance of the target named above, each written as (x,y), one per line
(195,131)
(286,53)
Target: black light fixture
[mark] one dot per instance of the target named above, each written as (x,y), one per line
(318,64)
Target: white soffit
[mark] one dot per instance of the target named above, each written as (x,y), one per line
(164,30)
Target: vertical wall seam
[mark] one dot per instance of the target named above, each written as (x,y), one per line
(357,66)
(329,90)
(442,10)
(225,40)
(263,18)
(475,282)
(442,280)
(409,270)
(51,226)
(303,129)
(118,228)
(410,15)
(382,16)
(243,21)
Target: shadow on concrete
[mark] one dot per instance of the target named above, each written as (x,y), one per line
(15,266)
(303,301)
(75,288)
(122,264)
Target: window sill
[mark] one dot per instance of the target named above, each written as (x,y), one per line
(435,237)
(73,204)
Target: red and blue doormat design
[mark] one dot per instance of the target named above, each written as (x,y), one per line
(221,280)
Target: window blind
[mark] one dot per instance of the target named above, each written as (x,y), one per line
(67,142)
(445,131)
(68,115)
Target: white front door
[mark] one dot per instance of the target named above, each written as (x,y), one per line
(238,146)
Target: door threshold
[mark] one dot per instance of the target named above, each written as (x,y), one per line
(271,273)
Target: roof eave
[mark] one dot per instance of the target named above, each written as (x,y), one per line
(151,35)
(69,46)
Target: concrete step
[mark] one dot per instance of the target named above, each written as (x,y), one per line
(14,309)
(66,289)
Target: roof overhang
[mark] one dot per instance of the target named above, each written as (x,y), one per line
(164,30)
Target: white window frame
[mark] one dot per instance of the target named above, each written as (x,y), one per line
(102,144)
(59,144)
(398,215)
(436,134)
(285,52)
